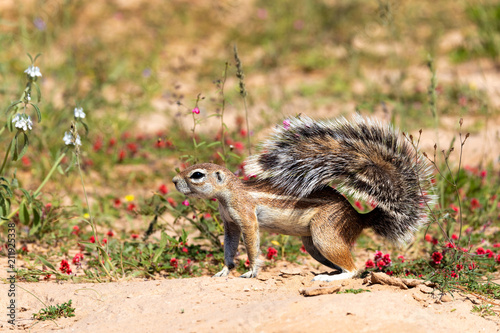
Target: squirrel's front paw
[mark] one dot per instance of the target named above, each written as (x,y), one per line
(223,272)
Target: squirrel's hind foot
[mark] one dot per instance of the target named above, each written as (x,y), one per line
(249,274)
(336,277)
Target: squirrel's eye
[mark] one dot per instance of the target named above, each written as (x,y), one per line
(197,175)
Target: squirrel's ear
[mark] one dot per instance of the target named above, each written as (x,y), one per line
(220,177)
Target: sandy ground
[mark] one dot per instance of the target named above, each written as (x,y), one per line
(271,303)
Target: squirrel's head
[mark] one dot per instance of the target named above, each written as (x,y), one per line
(204,181)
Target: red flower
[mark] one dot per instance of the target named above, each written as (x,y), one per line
(238,146)
(24,249)
(453,274)
(498,259)
(243,133)
(104,241)
(303,249)
(76,230)
(472,266)
(98,144)
(389,272)
(121,155)
(480,251)
(454,237)
(26,161)
(132,147)
(437,257)
(474,204)
(434,241)
(46,277)
(428,238)
(117,202)
(131,207)
(450,245)
(77,258)
(496,245)
(369,264)
(134,236)
(163,189)
(387,258)
(112,142)
(110,233)
(455,208)
(402,258)
(172,202)
(489,253)
(271,253)
(92,239)
(378,255)
(184,249)
(247,263)
(174,263)
(460,267)
(381,264)
(65,267)
(483,174)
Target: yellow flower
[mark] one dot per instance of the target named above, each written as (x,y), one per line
(129,198)
(472,86)
(275,243)
(86,215)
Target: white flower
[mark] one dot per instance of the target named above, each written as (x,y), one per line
(79,113)
(33,71)
(28,97)
(68,139)
(23,122)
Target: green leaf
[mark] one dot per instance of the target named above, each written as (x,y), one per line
(163,244)
(86,128)
(213,144)
(38,113)
(12,105)
(37,218)
(38,93)
(24,215)
(27,195)
(26,143)
(31,58)
(46,263)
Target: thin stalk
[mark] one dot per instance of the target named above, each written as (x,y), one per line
(6,157)
(92,224)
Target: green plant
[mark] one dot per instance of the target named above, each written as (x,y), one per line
(57,311)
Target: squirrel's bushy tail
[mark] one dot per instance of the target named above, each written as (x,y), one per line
(365,159)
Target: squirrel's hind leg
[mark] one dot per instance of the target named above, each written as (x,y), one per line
(332,240)
(314,252)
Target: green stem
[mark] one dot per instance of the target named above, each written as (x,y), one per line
(6,157)
(92,224)
(54,167)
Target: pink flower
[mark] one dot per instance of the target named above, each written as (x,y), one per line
(286,124)
(185,203)
(369,264)
(483,174)
(496,245)
(271,253)
(196,110)
(174,263)
(76,230)
(437,257)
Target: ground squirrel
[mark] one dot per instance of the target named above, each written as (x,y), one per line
(288,190)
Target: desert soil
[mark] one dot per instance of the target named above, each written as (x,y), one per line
(270,303)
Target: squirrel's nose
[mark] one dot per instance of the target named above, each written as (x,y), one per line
(175,179)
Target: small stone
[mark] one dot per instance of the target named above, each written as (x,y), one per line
(319,291)
(425,289)
(246,289)
(290,271)
(446,298)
